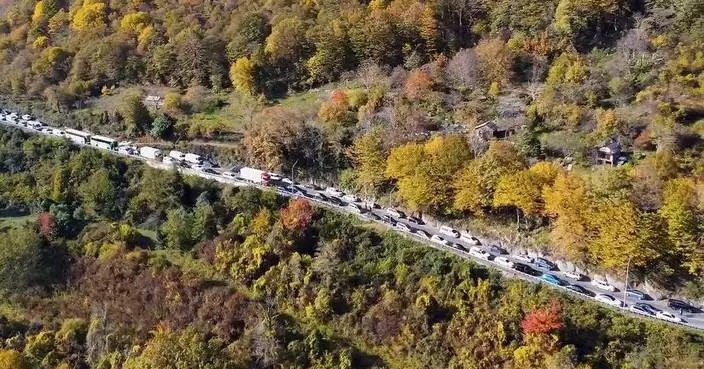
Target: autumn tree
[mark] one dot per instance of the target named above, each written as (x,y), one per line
(418,85)
(566,201)
(297,215)
(679,211)
(242,75)
(369,159)
(543,321)
(495,59)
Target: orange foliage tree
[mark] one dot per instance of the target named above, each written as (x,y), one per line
(418,84)
(297,215)
(543,321)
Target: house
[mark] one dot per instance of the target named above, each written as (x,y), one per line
(489,130)
(609,153)
(153,100)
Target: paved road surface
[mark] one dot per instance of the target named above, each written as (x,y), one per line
(695,320)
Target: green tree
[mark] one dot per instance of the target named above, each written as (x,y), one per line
(161,126)
(178,229)
(204,224)
(99,194)
(134,113)
(21,263)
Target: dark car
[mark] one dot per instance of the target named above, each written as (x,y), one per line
(422,233)
(388,220)
(498,250)
(635,294)
(579,289)
(647,307)
(524,268)
(680,305)
(372,216)
(414,220)
(545,264)
(336,201)
(459,246)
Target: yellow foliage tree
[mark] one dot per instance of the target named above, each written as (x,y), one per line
(368,155)
(11,359)
(241,75)
(566,202)
(135,22)
(90,16)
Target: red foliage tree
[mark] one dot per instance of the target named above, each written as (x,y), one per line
(46,225)
(297,215)
(543,321)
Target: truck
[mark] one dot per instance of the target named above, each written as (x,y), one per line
(150,152)
(254,175)
(193,158)
(177,155)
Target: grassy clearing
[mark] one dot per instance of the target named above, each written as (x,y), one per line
(14,221)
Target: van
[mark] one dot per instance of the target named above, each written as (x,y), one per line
(468,238)
(449,231)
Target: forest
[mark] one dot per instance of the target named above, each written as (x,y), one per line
(124,266)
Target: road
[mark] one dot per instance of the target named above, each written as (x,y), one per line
(692,320)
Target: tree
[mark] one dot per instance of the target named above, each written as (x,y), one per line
(176,350)
(53,64)
(135,22)
(521,190)
(242,75)
(495,59)
(204,222)
(332,54)
(11,359)
(99,194)
(177,230)
(418,85)
(543,321)
(21,265)
(134,113)
(287,40)
(89,17)
(463,70)
(679,211)
(369,159)
(47,225)
(429,29)
(297,215)
(161,126)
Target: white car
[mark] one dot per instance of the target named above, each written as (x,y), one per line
(395,213)
(639,310)
(334,191)
(603,285)
(524,258)
(573,275)
(230,175)
(403,227)
(504,261)
(479,253)
(448,231)
(438,239)
(665,315)
(609,300)
(169,160)
(351,198)
(354,208)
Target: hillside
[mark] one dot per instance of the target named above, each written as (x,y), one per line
(219,277)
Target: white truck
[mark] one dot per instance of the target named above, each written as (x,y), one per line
(193,158)
(150,152)
(177,155)
(254,175)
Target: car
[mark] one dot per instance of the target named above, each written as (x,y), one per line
(403,227)
(573,275)
(395,213)
(275,177)
(230,175)
(371,205)
(608,299)
(422,234)
(448,231)
(354,208)
(680,305)
(524,258)
(603,285)
(498,250)
(579,289)
(388,220)
(545,264)
(440,240)
(468,238)
(414,220)
(351,198)
(209,170)
(503,261)
(459,246)
(336,201)
(552,279)
(635,294)
(334,192)
(525,269)
(479,253)
(668,316)
(647,307)
(639,310)
(371,216)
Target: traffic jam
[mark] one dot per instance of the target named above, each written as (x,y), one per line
(463,243)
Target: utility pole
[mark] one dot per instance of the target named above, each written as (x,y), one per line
(292,177)
(625,289)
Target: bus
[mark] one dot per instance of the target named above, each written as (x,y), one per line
(102,142)
(77,136)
